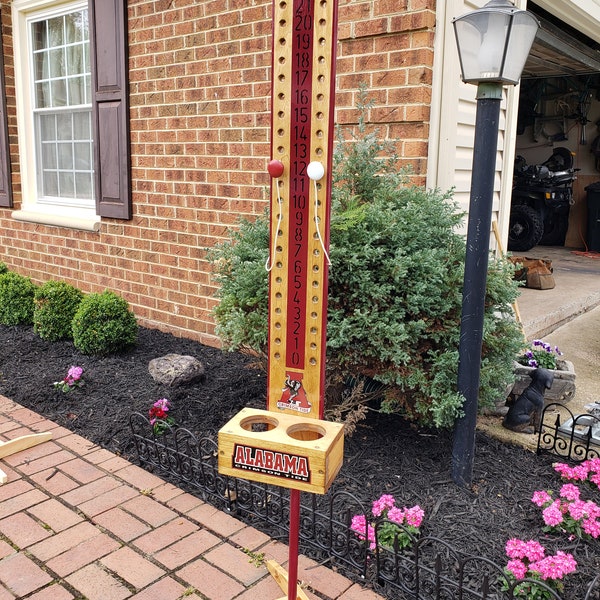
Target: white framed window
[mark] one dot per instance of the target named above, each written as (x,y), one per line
(54,112)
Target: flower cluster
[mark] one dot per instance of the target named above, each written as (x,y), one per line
(569,513)
(588,470)
(540,354)
(529,560)
(73,379)
(387,529)
(159,416)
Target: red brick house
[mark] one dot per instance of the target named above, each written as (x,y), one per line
(135,132)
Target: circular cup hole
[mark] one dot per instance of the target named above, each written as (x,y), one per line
(306,432)
(258,423)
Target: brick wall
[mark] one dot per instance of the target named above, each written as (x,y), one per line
(200,139)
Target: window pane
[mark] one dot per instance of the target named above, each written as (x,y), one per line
(56,60)
(82,126)
(65,156)
(40,65)
(64,124)
(50,185)
(74,25)
(76,91)
(48,127)
(75,60)
(59,92)
(66,184)
(83,185)
(42,94)
(49,155)
(83,156)
(39,36)
(56,32)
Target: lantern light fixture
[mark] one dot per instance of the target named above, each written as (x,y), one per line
(494,42)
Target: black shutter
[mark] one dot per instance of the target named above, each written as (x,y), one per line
(110,107)
(5,183)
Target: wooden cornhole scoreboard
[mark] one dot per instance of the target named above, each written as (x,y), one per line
(289,444)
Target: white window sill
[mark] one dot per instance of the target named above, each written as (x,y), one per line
(84,223)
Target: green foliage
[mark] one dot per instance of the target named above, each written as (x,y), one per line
(16,299)
(103,324)
(55,304)
(244,287)
(395,288)
(3,268)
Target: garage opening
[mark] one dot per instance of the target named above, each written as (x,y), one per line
(556,187)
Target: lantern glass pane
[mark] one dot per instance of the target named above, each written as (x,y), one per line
(522,35)
(481,36)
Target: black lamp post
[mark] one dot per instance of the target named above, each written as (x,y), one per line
(493,44)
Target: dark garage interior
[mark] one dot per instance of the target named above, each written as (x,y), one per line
(556,190)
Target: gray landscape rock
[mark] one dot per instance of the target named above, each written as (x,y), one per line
(175,369)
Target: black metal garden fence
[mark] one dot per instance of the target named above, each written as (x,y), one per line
(430,569)
(575,438)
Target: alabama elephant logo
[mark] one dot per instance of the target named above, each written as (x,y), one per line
(293,396)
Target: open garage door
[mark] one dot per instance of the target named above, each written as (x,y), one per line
(559,112)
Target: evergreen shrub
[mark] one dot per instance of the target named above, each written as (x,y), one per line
(16,299)
(3,268)
(55,304)
(395,289)
(103,324)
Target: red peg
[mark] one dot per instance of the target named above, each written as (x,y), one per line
(275,168)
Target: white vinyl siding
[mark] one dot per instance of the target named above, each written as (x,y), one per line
(453,113)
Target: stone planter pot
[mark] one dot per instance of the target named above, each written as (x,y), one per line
(563,387)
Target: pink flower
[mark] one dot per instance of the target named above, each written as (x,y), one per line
(162,404)
(553,514)
(527,560)
(517,567)
(580,472)
(578,510)
(385,502)
(569,491)
(159,416)
(541,498)
(396,515)
(359,523)
(593,509)
(387,533)
(72,379)
(515,548)
(591,527)
(555,567)
(360,527)
(414,516)
(534,550)
(75,373)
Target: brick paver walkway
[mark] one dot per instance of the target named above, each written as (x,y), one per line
(77,521)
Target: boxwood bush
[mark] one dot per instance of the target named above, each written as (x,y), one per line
(16,299)
(103,324)
(55,304)
(395,289)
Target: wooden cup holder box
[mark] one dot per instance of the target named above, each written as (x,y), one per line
(281,449)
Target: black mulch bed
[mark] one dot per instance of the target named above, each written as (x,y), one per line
(385,455)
